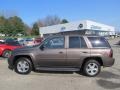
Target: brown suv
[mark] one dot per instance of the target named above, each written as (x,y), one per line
(64,53)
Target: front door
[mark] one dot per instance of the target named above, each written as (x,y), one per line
(53,53)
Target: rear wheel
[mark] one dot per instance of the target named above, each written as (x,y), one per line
(92,68)
(23,66)
(6,53)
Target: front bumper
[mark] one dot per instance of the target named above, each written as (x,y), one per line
(10,67)
(10,63)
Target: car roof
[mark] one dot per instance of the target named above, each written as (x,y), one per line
(74,35)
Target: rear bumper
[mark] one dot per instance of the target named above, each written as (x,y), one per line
(108,62)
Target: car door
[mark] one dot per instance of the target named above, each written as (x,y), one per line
(53,53)
(77,50)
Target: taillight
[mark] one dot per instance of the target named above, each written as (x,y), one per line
(111,53)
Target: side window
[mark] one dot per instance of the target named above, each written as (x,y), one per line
(98,42)
(77,42)
(74,42)
(54,43)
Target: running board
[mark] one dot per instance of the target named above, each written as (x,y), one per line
(57,69)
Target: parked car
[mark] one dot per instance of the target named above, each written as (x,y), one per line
(38,40)
(26,42)
(64,53)
(118,43)
(8,46)
(2,40)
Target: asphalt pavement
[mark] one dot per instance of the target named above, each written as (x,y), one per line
(109,78)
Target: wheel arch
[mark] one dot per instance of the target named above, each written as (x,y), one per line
(99,59)
(24,56)
(5,50)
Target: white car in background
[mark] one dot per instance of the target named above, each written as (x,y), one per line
(2,40)
(27,41)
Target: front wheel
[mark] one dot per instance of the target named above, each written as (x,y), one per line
(23,66)
(92,68)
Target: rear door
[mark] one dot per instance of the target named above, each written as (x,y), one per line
(77,50)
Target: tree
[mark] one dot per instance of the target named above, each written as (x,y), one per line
(12,26)
(49,20)
(28,30)
(35,29)
(64,21)
(2,24)
(16,26)
(40,23)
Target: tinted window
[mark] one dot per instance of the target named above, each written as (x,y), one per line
(29,39)
(77,42)
(98,42)
(13,43)
(74,42)
(57,42)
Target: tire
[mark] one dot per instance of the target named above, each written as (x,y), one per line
(23,66)
(6,53)
(92,68)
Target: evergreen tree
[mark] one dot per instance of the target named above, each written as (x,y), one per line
(64,21)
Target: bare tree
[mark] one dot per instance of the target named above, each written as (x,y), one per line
(40,23)
(49,20)
(28,29)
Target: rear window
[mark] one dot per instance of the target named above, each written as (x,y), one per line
(99,42)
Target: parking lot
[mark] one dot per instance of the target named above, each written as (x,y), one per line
(109,78)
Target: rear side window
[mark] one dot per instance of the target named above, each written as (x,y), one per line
(76,42)
(99,42)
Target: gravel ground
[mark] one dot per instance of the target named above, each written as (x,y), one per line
(109,78)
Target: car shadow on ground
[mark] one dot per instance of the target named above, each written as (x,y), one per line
(108,84)
(108,75)
(107,80)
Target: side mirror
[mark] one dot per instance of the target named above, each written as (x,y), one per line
(42,47)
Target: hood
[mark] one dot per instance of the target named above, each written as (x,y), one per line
(24,49)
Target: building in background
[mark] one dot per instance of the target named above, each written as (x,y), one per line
(85,27)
